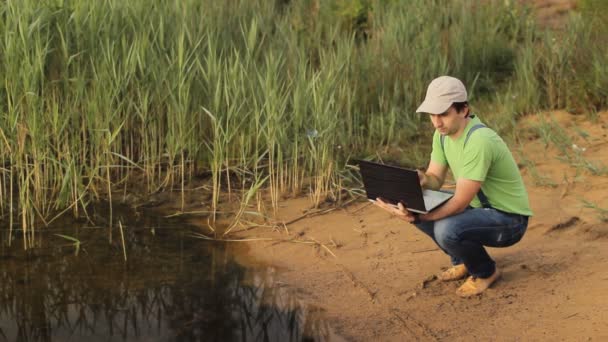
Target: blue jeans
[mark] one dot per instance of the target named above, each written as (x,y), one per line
(463,236)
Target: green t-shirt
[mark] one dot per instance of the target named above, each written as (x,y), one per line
(485,158)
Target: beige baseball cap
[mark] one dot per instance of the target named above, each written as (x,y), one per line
(441,93)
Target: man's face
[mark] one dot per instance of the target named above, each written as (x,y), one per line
(449,122)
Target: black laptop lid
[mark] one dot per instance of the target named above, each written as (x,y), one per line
(392,184)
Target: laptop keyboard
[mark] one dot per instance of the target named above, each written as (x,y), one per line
(434,198)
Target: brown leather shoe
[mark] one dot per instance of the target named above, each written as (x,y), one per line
(474,286)
(454,273)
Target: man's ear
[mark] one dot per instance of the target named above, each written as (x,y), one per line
(466,110)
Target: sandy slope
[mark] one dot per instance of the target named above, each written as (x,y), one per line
(378,286)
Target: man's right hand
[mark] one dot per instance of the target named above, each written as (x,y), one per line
(423,179)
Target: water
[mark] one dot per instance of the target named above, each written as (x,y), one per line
(172,287)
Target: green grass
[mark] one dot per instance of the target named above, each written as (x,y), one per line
(551,133)
(602,213)
(74,242)
(538,178)
(94,93)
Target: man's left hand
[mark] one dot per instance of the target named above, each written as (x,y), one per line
(400,211)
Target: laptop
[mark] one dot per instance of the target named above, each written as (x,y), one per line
(395,184)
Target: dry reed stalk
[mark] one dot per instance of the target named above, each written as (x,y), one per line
(122,239)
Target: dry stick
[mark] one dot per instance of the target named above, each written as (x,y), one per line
(284,224)
(319,212)
(566,224)
(253,226)
(205,237)
(312,242)
(361,208)
(307,215)
(322,245)
(315,242)
(180,213)
(425,250)
(425,330)
(358,283)
(279,241)
(403,323)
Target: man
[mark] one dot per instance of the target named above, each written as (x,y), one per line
(490,205)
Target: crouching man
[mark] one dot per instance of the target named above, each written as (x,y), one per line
(490,205)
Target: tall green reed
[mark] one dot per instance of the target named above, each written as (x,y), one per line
(270,98)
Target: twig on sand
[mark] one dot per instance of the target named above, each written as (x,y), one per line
(205,237)
(323,246)
(198,212)
(358,283)
(253,226)
(404,318)
(310,214)
(574,314)
(571,222)
(361,208)
(425,250)
(311,241)
(285,227)
(319,212)
(403,323)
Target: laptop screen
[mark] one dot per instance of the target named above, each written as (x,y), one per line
(393,184)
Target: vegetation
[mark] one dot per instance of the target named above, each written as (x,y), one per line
(273,95)
(601,212)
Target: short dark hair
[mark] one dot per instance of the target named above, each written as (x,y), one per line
(460,106)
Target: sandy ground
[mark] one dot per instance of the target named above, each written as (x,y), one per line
(372,274)
(551,13)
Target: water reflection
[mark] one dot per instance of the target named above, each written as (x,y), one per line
(171,288)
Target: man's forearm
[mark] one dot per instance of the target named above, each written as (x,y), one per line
(450,208)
